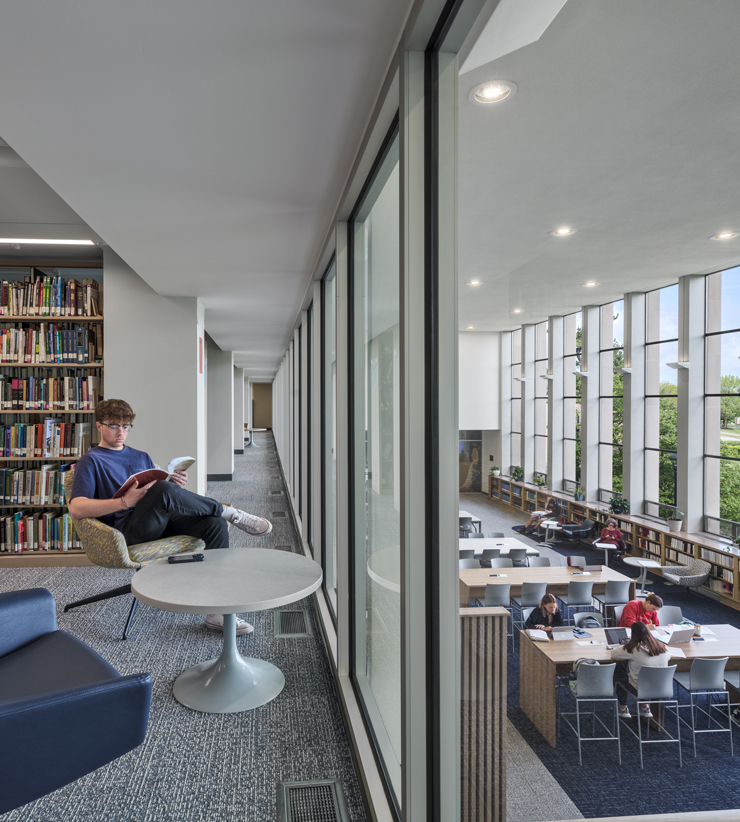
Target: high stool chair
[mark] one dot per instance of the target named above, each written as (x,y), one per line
(707,676)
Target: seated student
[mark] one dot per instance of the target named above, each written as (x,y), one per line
(642,649)
(554,509)
(613,536)
(158,509)
(546,616)
(639,610)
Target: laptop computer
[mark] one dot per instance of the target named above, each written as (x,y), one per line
(677,636)
(616,636)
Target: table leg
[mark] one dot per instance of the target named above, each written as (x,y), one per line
(643,579)
(231,683)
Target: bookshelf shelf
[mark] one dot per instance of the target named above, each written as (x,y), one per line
(48,411)
(35,505)
(644,537)
(50,364)
(26,318)
(40,459)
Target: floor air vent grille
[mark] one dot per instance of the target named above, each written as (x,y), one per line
(316,801)
(292,624)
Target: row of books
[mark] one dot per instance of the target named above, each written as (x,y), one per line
(48,439)
(37,486)
(37,531)
(50,343)
(716,558)
(45,295)
(43,389)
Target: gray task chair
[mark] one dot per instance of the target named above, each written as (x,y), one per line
(575,561)
(467,553)
(467,564)
(618,614)
(617,593)
(476,535)
(487,555)
(501,562)
(580,595)
(595,684)
(466,526)
(496,535)
(518,556)
(531,596)
(707,677)
(539,562)
(581,616)
(669,615)
(655,685)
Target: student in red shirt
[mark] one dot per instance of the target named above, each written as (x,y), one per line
(641,611)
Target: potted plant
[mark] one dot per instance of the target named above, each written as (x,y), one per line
(495,471)
(619,505)
(579,493)
(516,473)
(672,516)
(540,479)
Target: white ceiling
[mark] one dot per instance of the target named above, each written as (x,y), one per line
(626,125)
(207,143)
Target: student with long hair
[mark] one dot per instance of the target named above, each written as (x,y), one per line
(546,616)
(641,649)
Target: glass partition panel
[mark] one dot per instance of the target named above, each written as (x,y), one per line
(329,435)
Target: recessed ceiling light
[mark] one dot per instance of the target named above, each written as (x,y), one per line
(46,242)
(474,282)
(471,327)
(516,310)
(492,91)
(724,235)
(563,231)
(590,284)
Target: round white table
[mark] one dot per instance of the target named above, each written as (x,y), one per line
(229,582)
(639,562)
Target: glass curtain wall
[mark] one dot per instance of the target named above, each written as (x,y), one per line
(309,424)
(540,398)
(611,399)
(329,434)
(661,400)
(722,404)
(516,398)
(572,402)
(376,449)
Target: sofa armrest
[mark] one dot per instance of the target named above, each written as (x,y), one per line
(24,617)
(67,734)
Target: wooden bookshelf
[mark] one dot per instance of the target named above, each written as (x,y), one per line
(22,293)
(644,537)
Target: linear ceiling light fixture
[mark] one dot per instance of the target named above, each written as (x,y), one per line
(724,235)
(516,310)
(471,328)
(474,282)
(492,91)
(590,284)
(45,242)
(564,231)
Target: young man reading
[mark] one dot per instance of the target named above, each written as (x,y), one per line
(156,510)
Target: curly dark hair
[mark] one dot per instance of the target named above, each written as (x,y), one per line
(114,411)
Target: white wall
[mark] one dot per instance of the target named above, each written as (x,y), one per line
(239,410)
(220,391)
(479,380)
(151,361)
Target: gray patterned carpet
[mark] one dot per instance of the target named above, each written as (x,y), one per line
(196,767)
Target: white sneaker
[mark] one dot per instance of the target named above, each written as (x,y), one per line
(645,711)
(216,623)
(624,712)
(256,526)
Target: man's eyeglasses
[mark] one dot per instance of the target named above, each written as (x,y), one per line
(115,427)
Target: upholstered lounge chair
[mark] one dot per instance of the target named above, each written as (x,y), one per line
(693,575)
(105,546)
(64,711)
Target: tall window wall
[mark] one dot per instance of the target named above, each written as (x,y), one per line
(516,398)
(722,403)
(541,354)
(329,434)
(661,400)
(611,399)
(376,453)
(572,401)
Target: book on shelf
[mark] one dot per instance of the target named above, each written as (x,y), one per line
(37,389)
(37,531)
(36,486)
(46,295)
(155,474)
(50,343)
(49,439)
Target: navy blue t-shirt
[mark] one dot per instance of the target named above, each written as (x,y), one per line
(102,471)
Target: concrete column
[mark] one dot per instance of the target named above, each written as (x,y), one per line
(714,386)
(635,412)
(152,360)
(238,410)
(220,413)
(590,370)
(528,394)
(555,404)
(690,465)
(503,455)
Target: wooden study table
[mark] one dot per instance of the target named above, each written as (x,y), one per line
(541,662)
(504,544)
(473,581)
(476,520)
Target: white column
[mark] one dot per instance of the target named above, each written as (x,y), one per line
(238,410)
(590,368)
(528,394)
(503,456)
(220,413)
(157,369)
(315,479)
(303,400)
(555,404)
(690,435)
(634,413)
